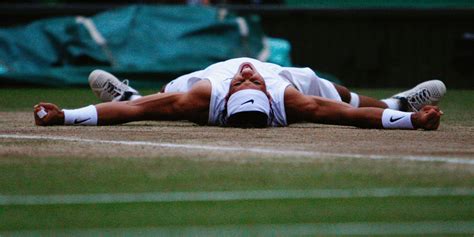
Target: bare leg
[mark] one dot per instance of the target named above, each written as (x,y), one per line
(364,101)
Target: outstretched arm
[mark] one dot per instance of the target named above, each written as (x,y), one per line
(320,110)
(192,105)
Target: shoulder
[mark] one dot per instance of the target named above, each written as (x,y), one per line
(200,90)
(195,102)
(297,105)
(202,85)
(292,95)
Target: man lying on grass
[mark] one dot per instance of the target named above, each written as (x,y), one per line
(245,92)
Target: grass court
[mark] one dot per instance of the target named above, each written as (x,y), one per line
(180,179)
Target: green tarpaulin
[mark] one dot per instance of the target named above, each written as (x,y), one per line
(135,40)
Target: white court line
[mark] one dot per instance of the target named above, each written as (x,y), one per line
(303,229)
(214,196)
(312,154)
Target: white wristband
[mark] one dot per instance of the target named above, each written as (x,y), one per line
(82,116)
(396,119)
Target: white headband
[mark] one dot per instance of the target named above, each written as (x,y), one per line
(248,100)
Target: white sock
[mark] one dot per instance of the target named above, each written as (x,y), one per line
(392,103)
(355,101)
(396,119)
(82,116)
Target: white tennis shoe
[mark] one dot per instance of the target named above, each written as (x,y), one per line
(425,93)
(108,88)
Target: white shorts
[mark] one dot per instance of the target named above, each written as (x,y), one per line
(307,82)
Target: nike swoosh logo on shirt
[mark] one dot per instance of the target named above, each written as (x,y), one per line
(248,101)
(77,121)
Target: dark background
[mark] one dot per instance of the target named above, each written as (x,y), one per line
(363,47)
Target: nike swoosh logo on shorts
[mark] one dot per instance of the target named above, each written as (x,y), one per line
(392,120)
(248,101)
(77,121)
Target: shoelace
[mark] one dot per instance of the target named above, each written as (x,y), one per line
(420,97)
(116,90)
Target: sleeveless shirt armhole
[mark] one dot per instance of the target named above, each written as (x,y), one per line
(279,111)
(212,101)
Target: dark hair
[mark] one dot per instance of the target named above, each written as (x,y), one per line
(248,119)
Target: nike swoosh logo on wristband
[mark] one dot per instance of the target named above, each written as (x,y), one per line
(393,120)
(77,121)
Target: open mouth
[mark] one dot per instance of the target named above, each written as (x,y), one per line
(245,65)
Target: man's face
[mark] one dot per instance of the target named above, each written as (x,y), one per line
(247,77)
